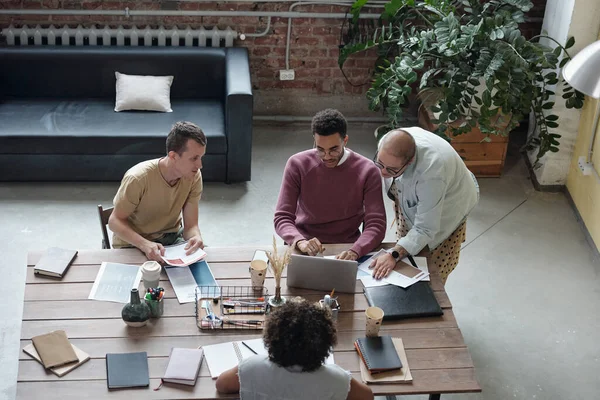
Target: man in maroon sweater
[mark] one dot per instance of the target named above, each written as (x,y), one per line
(328,192)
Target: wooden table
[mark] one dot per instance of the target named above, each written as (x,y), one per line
(438,357)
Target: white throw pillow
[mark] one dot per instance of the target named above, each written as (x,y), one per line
(143,92)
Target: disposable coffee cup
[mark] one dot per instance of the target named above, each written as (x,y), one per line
(374,317)
(151,274)
(258,268)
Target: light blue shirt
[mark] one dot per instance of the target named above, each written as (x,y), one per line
(436,192)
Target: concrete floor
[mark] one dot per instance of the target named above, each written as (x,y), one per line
(525,294)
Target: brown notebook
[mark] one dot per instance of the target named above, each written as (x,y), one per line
(54,262)
(65,369)
(54,349)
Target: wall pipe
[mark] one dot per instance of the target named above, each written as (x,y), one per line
(176,13)
(243,36)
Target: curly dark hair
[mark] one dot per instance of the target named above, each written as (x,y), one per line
(329,122)
(180,133)
(299,333)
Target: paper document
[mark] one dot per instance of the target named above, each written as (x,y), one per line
(115,281)
(184,280)
(224,356)
(403,275)
(175,255)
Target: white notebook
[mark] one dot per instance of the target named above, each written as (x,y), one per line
(224,356)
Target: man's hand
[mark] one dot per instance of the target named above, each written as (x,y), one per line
(382,266)
(194,243)
(311,247)
(153,251)
(347,255)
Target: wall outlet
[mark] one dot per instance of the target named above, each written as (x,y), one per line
(584,166)
(286,75)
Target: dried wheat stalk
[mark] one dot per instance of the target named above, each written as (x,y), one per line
(276,263)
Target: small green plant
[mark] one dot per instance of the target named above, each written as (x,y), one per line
(469,63)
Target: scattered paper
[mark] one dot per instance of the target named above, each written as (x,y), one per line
(185,280)
(422,265)
(175,255)
(115,281)
(369,281)
(394,278)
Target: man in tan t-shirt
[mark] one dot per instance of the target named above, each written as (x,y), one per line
(156,195)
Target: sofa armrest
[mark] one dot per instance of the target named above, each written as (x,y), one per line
(238,115)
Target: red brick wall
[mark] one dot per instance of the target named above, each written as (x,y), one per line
(313,48)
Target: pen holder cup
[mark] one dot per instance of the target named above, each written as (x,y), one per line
(335,308)
(157,308)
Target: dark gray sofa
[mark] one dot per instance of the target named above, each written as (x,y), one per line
(57,119)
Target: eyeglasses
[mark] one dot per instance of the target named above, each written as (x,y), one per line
(332,153)
(391,171)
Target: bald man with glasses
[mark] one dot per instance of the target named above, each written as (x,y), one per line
(328,192)
(433,192)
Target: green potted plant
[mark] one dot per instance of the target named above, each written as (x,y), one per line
(469,64)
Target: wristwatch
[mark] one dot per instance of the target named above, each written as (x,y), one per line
(394,254)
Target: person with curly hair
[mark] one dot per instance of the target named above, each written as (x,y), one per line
(328,192)
(299,337)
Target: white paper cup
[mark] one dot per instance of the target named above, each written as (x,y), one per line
(151,274)
(258,268)
(374,318)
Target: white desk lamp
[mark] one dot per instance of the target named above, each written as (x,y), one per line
(583,73)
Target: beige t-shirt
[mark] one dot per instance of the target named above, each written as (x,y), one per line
(154,206)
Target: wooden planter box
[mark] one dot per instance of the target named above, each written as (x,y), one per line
(484,159)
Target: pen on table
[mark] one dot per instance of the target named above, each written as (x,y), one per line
(412,261)
(249,348)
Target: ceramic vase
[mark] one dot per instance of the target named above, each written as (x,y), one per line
(135,313)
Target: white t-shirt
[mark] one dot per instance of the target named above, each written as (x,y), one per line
(262,379)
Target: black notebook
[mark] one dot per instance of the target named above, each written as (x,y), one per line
(417,300)
(127,370)
(378,353)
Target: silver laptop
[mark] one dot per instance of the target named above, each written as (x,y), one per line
(323,274)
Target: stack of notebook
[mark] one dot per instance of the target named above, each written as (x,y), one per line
(383,360)
(54,351)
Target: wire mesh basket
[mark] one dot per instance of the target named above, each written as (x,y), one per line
(231,307)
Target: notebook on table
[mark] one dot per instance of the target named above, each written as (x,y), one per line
(183,366)
(65,369)
(54,349)
(127,370)
(224,356)
(378,353)
(401,375)
(417,300)
(54,262)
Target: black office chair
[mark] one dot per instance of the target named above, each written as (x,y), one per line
(104,214)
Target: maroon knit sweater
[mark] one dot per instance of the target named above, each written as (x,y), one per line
(331,203)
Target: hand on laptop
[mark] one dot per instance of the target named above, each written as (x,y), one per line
(347,255)
(311,247)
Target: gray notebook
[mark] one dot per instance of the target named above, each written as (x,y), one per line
(54,262)
(183,366)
